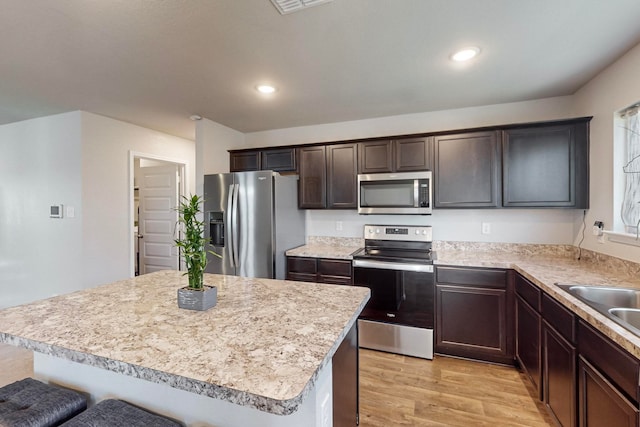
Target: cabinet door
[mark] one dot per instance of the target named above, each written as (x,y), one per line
(302,269)
(244,161)
(559,367)
(600,403)
(342,166)
(528,334)
(375,157)
(546,166)
(413,154)
(312,184)
(336,271)
(280,160)
(471,322)
(466,170)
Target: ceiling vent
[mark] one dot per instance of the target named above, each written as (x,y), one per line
(289,6)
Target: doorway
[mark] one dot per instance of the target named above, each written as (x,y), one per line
(156,187)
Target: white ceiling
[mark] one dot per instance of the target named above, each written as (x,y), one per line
(156,62)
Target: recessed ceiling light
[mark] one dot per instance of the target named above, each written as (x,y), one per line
(465,54)
(265,89)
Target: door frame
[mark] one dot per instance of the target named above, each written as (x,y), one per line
(182,186)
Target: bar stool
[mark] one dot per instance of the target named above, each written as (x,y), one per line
(31,403)
(111,412)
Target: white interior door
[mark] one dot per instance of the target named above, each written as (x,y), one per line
(157,218)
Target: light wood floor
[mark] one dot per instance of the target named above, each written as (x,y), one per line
(15,364)
(405,391)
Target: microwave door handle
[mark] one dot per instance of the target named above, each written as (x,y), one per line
(416,193)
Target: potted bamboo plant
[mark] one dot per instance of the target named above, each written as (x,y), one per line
(192,246)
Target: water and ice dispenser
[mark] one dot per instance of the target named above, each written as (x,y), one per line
(216,228)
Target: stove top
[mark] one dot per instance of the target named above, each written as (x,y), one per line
(397,244)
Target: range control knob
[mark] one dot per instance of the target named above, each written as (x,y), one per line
(377,231)
(417,231)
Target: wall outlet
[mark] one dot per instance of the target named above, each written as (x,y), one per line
(338,225)
(486,228)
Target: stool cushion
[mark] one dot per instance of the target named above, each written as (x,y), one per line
(111,413)
(31,403)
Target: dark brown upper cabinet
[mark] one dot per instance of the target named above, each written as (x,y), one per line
(466,170)
(546,166)
(312,185)
(400,155)
(328,178)
(375,157)
(244,161)
(277,159)
(413,154)
(342,164)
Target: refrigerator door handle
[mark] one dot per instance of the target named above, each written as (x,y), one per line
(229,225)
(236,230)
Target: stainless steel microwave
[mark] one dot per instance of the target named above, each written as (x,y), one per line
(407,193)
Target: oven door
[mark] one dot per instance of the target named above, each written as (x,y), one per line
(399,316)
(400,293)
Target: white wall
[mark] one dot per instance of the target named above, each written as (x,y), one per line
(615,88)
(517,225)
(212,142)
(488,115)
(106,196)
(40,165)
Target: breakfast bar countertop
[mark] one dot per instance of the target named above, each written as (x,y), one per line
(262,346)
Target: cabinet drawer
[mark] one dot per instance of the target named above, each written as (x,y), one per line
(528,292)
(302,277)
(559,317)
(334,267)
(301,265)
(486,278)
(615,363)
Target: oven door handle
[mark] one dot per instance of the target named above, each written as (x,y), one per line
(400,266)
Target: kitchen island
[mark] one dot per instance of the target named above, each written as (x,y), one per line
(262,356)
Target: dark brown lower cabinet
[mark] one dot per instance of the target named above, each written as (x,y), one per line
(559,367)
(600,403)
(320,270)
(528,339)
(345,378)
(474,314)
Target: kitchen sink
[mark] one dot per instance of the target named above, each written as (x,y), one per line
(612,297)
(622,305)
(630,316)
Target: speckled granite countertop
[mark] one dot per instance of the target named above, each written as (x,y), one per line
(544,265)
(262,346)
(327,247)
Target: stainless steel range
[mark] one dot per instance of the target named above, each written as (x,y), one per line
(397,265)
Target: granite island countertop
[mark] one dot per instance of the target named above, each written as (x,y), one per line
(262,346)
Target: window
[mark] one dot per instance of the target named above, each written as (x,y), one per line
(630,209)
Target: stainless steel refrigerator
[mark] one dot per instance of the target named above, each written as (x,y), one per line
(251,219)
